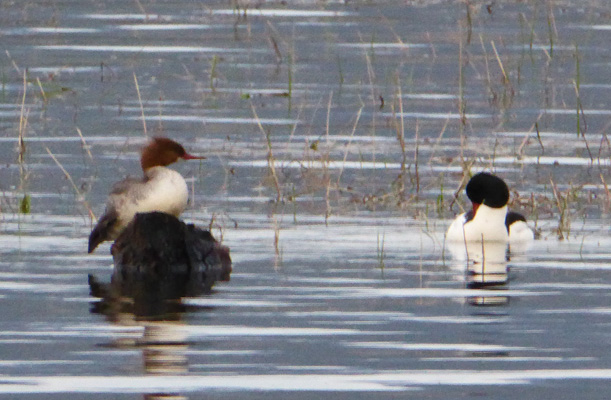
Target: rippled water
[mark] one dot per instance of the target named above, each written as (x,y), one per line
(342,286)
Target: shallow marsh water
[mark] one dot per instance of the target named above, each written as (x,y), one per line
(344,287)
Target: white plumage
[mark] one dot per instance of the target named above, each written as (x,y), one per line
(488,225)
(489,221)
(161,189)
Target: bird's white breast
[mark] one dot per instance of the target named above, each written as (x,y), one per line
(163,190)
(488,224)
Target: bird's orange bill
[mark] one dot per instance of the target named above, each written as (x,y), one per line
(188,156)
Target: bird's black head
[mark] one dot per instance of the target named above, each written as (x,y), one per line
(485,188)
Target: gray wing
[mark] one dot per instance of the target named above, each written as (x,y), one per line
(125,186)
(102,231)
(128,190)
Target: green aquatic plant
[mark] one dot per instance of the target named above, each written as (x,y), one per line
(25,204)
(213,65)
(577,84)
(580,116)
(49,89)
(551,27)
(4,80)
(278,256)
(469,22)
(439,201)
(462,105)
(340,71)
(400,133)
(381,253)
(291,62)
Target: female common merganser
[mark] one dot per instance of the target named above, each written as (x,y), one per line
(489,219)
(161,189)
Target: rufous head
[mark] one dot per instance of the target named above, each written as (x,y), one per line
(163,151)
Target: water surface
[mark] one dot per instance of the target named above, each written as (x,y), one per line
(337,136)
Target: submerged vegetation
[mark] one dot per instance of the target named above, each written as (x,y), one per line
(328,121)
(523,80)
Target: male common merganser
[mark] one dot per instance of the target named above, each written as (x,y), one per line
(161,189)
(489,219)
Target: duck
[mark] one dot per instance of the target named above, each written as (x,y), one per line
(489,219)
(160,189)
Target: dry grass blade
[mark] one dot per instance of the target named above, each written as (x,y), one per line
(84,144)
(76,189)
(498,59)
(381,253)
(13,63)
(23,122)
(327,175)
(271,162)
(24,206)
(141,106)
(607,194)
(561,203)
(438,141)
(526,140)
(356,122)
(141,7)
(42,91)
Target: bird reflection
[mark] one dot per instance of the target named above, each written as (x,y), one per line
(485,266)
(158,262)
(157,308)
